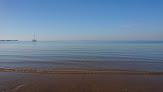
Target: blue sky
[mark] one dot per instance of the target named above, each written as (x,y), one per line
(81,19)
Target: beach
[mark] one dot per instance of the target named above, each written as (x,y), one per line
(81,46)
(41,82)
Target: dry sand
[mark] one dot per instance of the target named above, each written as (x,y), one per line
(35,82)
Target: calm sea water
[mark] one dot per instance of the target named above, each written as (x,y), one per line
(128,56)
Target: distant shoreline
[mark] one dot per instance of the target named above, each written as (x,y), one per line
(9,40)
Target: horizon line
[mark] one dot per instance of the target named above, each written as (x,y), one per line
(83,40)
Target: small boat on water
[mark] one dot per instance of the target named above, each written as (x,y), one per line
(35,39)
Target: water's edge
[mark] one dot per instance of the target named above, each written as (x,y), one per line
(80,72)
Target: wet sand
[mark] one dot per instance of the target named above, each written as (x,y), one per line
(36,82)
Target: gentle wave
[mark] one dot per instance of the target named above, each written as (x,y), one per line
(80,72)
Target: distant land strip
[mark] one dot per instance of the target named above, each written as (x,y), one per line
(80,72)
(9,40)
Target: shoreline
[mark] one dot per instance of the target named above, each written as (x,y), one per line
(80,72)
(36,82)
(9,40)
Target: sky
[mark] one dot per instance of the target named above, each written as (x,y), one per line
(81,19)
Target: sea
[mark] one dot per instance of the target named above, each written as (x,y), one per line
(105,56)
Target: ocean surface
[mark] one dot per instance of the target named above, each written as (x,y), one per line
(106,56)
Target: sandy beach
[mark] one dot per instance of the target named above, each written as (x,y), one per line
(36,82)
